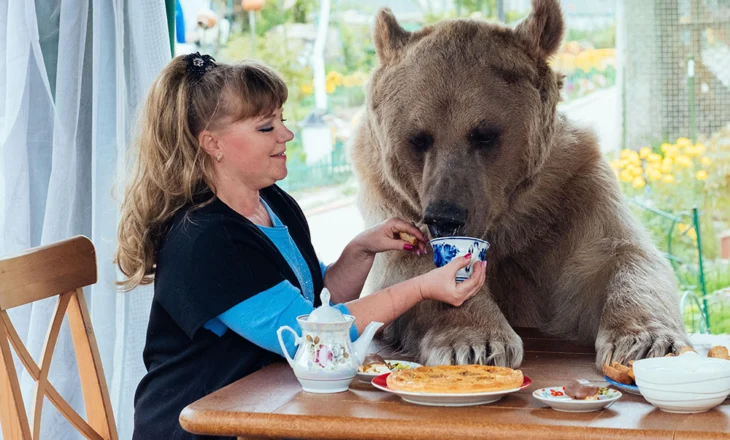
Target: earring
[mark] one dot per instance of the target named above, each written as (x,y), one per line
(219,156)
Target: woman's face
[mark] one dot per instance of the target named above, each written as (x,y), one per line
(253,151)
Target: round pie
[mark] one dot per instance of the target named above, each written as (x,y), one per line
(457,379)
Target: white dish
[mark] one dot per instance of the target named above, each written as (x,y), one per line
(555,397)
(368,377)
(447,399)
(685,384)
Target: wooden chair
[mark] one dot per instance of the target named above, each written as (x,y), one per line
(60,269)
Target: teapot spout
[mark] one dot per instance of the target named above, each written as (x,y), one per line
(363,342)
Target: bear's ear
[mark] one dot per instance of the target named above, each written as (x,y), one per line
(390,38)
(543,29)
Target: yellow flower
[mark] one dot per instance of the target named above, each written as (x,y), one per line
(638,182)
(687,230)
(644,152)
(653,157)
(672,151)
(623,163)
(666,166)
(306,89)
(699,149)
(335,77)
(706,161)
(701,175)
(625,153)
(684,161)
(634,170)
(331,87)
(665,146)
(654,174)
(668,178)
(683,142)
(692,151)
(626,176)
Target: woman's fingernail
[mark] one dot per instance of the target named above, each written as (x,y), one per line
(484,264)
(407,247)
(467,256)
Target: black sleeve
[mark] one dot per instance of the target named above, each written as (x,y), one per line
(205,269)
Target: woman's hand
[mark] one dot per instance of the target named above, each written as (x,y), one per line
(384,237)
(440,284)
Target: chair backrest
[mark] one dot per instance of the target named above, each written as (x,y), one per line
(61,269)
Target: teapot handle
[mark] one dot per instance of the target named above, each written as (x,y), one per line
(297,341)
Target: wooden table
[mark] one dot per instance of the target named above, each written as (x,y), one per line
(271,404)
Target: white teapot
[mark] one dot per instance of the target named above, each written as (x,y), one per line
(326,360)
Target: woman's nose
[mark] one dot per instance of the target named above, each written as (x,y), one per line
(286,136)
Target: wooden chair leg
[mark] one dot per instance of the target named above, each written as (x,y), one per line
(13,418)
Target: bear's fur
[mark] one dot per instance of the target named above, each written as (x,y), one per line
(461,134)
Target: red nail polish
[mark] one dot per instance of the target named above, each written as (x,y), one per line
(467,255)
(407,247)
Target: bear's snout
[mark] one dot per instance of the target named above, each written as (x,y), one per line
(445,219)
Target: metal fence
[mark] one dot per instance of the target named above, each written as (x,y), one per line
(675,77)
(328,171)
(681,244)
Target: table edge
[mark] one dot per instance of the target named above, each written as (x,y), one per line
(296,426)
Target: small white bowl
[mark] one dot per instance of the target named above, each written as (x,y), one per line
(685,384)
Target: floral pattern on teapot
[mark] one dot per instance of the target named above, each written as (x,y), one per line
(328,356)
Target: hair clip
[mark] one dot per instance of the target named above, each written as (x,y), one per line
(197,64)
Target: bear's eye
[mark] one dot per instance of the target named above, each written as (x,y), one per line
(421,142)
(484,137)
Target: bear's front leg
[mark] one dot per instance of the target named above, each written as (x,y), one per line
(641,316)
(475,333)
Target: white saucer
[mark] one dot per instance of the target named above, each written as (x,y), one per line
(555,397)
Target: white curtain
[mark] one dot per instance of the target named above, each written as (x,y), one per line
(72,76)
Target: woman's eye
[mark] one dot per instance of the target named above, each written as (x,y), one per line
(283,120)
(267,129)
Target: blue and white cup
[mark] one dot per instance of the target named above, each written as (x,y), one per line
(446,249)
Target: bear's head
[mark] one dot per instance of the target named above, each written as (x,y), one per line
(462,114)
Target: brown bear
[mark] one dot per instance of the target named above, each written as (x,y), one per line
(461,135)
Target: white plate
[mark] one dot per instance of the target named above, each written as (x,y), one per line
(368,377)
(447,399)
(555,397)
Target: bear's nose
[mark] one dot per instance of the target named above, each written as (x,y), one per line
(445,219)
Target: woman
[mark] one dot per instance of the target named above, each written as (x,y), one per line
(229,251)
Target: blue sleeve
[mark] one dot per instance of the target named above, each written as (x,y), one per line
(323,267)
(259,317)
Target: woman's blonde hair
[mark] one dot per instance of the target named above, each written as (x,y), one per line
(171,168)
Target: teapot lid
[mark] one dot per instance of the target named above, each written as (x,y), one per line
(325,312)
